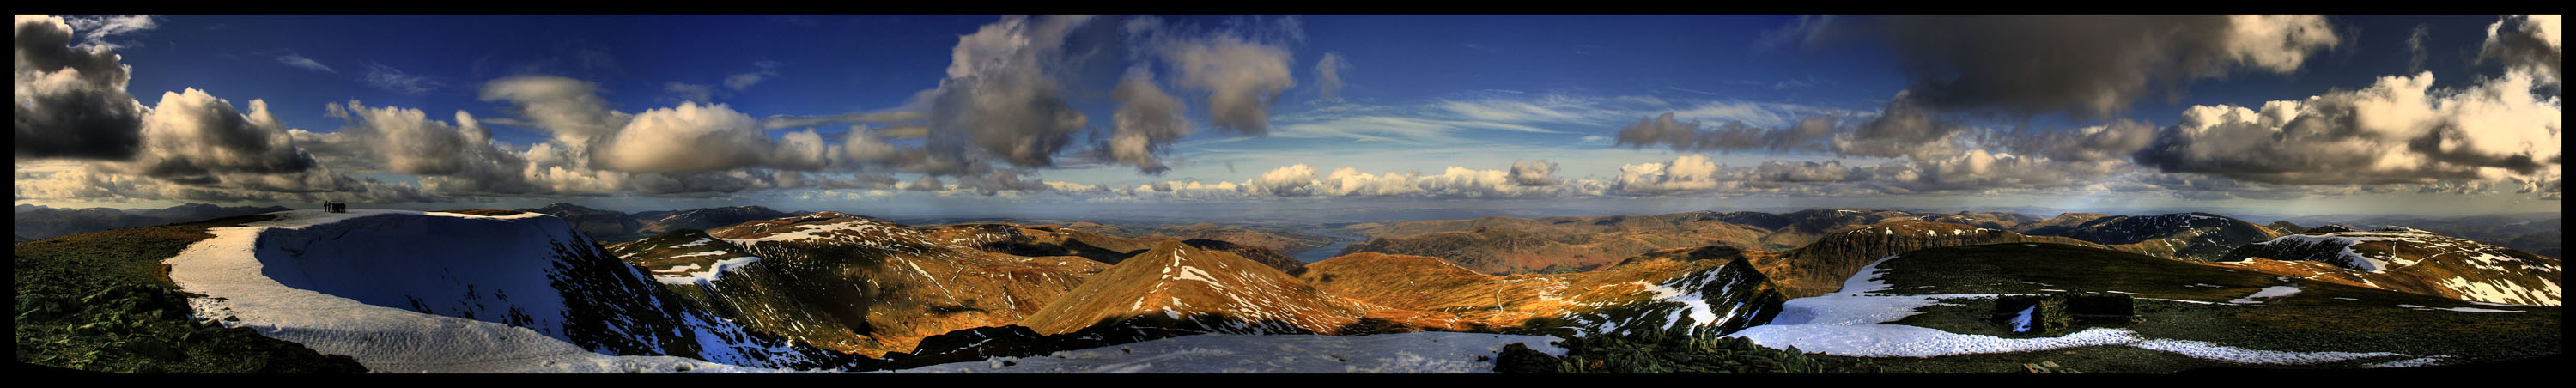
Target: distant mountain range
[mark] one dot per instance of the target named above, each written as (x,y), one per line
(753,286)
(34,222)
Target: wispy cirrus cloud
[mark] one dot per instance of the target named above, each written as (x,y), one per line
(292,59)
(99,28)
(395,80)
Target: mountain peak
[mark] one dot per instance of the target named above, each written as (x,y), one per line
(1177,287)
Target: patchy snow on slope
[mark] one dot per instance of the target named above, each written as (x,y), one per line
(1911,341)
(289,302)
(2459,309)
(2500,290)
(2212,351)
(1851,323)
(2266,293)
(703,276)
(1426,352)
(2347,257)
(700,241)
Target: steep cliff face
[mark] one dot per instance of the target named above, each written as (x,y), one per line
(1821,267)
(852,284)
(1177,287)
(2410,261)
(413,291)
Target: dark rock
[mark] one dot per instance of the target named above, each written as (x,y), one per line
(1518,358)
(2048,313)
(2102,306)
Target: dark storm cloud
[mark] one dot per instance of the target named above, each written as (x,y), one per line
(2089,66)
(2528,43)
(72,101)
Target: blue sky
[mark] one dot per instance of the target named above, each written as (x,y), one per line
(1429,112)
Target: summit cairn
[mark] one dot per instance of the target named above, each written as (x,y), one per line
(2054,313)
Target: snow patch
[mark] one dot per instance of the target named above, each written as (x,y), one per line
(235,267)
(706,277)
(2266,293)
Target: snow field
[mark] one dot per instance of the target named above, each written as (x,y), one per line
(229,266)
(1850,323)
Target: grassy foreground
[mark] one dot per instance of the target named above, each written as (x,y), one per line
(103,301)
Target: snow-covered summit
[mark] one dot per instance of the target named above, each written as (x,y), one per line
(405,291)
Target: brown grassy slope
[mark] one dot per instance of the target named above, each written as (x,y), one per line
(872,287)
(1192,284)
(1432,285)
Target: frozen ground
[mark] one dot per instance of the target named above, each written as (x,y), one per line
(1431,352)
(1849,323)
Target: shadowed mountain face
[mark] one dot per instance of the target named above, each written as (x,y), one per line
(2192,237)
(529,271)
(2409,261)
(1821,267)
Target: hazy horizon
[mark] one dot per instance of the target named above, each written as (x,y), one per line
(1296,118)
